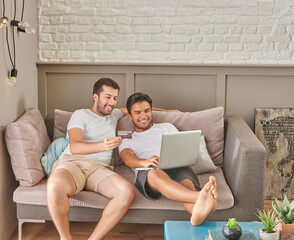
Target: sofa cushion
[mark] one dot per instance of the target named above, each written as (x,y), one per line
(37,194)
(26,141)
(205,163)
(61,119)
(210,122)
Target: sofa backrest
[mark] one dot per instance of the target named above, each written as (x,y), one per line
(210,122)
(26,141)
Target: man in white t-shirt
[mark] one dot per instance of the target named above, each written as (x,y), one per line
(85,163)
(143,150)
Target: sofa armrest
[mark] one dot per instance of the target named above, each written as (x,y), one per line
(244,163)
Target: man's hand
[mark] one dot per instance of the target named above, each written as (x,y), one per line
(112,142)
(172,111)
(153,161)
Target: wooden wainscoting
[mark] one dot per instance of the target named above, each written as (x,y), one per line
(187,87)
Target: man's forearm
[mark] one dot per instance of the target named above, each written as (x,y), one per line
(130,159)
(84,148)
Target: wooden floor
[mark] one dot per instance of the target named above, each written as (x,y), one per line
(81,230)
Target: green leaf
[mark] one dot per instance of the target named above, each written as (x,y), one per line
(292,205)
(280,205)
(286,201)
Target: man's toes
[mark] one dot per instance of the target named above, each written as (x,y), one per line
(214,193)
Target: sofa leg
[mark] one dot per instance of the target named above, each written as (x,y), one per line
(21,221)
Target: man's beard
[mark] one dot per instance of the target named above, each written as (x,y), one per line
(101,110)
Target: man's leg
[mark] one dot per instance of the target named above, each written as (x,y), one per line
(60,187)
(206,202)
(203,202)
(159,181)
(121,194)
(190,185)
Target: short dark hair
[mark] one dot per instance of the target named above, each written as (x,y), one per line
(137,97)
(98,86)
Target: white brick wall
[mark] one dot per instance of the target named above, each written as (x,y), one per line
(167,31)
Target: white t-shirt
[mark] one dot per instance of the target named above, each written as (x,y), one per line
(95,129)
(148,143)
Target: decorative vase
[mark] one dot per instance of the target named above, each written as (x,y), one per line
(232,233)
(269,236)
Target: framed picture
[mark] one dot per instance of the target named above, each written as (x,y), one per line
(274,127)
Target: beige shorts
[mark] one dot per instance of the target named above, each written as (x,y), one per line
(87,173)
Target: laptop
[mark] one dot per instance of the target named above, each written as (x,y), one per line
(178,149)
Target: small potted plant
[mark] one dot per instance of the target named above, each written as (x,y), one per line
(232,230)
(285,211)
(269,222)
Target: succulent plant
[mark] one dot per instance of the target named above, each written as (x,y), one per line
(232,231)
(232,223)
(285,210)
(268,220)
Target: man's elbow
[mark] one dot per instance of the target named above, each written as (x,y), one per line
(73,149)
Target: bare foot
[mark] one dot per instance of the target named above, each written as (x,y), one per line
(205,203)
(213,181)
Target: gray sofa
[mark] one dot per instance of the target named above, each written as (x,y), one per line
(240,169)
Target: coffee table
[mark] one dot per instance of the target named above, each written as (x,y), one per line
(183,230)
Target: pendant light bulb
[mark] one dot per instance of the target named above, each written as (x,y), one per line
(13,77)
(3,22)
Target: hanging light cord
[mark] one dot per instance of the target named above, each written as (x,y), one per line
(3,8)
(13,37)
(7,41)
(22,11)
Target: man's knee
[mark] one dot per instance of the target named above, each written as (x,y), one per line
(155,176)
(188,184)
(59,185)
(126,191)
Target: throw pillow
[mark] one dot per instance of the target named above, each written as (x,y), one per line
(205,163)
(26,141)
(53,153)
(61,119)
(58,134)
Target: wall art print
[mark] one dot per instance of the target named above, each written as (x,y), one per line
(274,127)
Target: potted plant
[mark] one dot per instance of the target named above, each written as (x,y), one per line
(232,230)
(269,222)
(285,211)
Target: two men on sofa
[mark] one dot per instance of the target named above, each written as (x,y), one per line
(85,164)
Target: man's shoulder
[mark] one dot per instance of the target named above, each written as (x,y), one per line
(164,125)
(167,127)
(116,113)
(81,113)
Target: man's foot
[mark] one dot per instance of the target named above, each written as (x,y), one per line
(205,203)
(213,181)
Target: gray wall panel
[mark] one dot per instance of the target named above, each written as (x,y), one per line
(179,91)
(71,91)
(245,93)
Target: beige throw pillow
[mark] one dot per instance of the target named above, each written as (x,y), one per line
(26,141)
(205,163)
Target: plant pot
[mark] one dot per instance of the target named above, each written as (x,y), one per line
(285,228)
(232,233)
(268,236)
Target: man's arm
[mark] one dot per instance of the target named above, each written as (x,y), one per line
(125,111)
(132,161)
(78,146)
